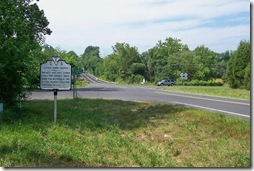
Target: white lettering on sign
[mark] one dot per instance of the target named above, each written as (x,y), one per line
(55,75)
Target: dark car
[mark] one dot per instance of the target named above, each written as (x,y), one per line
(166,82)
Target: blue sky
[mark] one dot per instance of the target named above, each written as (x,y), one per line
(218,24)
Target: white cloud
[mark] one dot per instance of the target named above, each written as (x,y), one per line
(142,23)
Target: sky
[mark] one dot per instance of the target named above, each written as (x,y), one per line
(220,25)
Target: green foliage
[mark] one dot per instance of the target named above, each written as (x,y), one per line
(164,58)
(170,58)
(186,64)
(123,65)
(126,56)
(91,59)
(223,91)
(138,68)
(247,77)
(238,73)
(72,58)
(221,60)
(110,68)
(135,78)
(164,61)
(202,83)
(22,30)
(205,61)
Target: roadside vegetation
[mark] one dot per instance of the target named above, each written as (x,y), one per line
(80,82)
(223,91)
(114,133)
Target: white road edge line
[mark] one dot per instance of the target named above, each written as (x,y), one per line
(207,108)
(202,98)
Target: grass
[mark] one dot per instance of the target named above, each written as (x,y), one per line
(223,91)
(114,133)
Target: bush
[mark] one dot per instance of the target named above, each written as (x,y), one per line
(202,83)
(135,78)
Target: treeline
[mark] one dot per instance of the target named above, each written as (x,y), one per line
(167,60)
(23,27)
(164,61)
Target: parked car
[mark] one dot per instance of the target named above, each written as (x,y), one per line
(166,82)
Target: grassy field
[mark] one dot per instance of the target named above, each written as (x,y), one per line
(114,133)
(223,91)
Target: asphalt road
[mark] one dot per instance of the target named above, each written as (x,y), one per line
(106,90)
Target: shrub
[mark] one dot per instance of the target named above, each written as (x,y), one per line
(202,83)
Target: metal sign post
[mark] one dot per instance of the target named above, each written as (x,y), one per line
(55,105)
(74,89)
(55,75)
(75,73)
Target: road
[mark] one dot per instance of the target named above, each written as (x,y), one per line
(106,90)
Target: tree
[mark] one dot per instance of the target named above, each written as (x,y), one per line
(221,61)
(163,59)
(187,64)
(206,64)
(238,73)
(138,68)
(247,77)
(22,29)
(72,58)
(110,68)
(91,58)
(125,57)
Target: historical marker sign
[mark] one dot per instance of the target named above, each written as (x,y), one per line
(55,74)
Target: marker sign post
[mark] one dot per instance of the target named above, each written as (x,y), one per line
(55,75)
(75,72)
